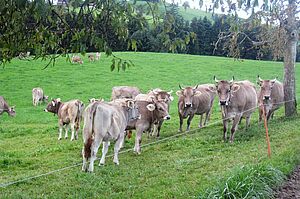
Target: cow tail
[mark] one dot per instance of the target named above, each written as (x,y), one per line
(80,109)
(88,129)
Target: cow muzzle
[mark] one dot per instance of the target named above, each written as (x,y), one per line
(187,105)
(167,117)
(266,97)
(45,110)
(223,103)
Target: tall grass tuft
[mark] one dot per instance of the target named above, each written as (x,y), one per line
(247,182)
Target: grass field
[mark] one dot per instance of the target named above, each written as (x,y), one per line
(180,167)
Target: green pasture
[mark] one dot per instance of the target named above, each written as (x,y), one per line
(180,167)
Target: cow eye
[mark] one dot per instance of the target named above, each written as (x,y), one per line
(228,90)
(160,109)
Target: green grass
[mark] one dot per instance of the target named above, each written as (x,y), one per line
(177,168)
(190,13)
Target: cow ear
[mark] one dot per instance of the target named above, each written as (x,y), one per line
(179,93)
(197,93)
(130,104)
(170,92)
(171,98)
(235,87)
(53,103)
(211,89)
(151,107)
(58,99)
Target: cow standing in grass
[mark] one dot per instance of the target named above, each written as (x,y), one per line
(69,113)
(193,101)
(158,95)
(4,107)
(38,96)
(104,122)
(237,100)
(270,97)
(76,59)
(120,92)
(150,112)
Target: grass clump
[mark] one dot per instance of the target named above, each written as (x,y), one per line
(247,182)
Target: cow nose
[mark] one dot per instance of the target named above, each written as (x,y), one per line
(267,97)
(167,117)
(188,105)
(222,102)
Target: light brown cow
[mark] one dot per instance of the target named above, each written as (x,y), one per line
(238,100)
(158,95)
(270,97)
(193,101)
(149,113)
(76,59)
(38,96)
(119,92)
(104,122)
(4,107)
(69,113)
(98,56)
(91,58)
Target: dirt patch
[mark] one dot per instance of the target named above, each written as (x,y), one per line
(291,188)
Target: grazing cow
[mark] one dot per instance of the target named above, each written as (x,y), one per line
(119,92)
(4,107)
(69,113)
(91,58)
(38,96)
(270,97)
(24,55)
(238,100)
(149,113)
(98,56)
(160,95)
(76,59)
(103,122)
(193,101)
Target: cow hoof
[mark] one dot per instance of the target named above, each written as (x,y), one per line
(66,137)
(117,163)
(101,164)
(72,139)
(59,138)
(179,130)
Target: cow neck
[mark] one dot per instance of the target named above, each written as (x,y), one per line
(59,105)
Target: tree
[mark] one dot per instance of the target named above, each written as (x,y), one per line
(279,32)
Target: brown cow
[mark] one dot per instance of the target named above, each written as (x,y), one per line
(91,58)
(237,100)
(4,107)
(38,96)
(150,112)
(76,59)
(69,113)
(104,122)
(193,101)
(270,97)
(119,92)
(160,95)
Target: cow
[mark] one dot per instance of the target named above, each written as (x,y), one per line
(69,113)
(76,59)
(98,56)
(156,94)
(95,100)
(191,101)
(91,58)
(4,107)
(104,122)
(237,100)
(210,88)
(149,113)
(38,96)
(270,97)
(119,92)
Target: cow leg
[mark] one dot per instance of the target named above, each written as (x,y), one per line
(66,131)
(60,130)
(104,152)
(260,115)
(269,115)
(138,140)
(225,127)
(73,131)
(180,123)
(200,122)
(189,122)
(117,148)
(94,149)
(234,127)
(159,127)
(248,118)
(77,127)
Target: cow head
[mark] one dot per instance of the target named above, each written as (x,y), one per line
(266,87)
(163,95)
(11,111)
(53,106)
(225,89)
(188,94)
(132,110)
(160,109)
(45,98)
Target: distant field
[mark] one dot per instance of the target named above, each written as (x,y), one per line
(177,168)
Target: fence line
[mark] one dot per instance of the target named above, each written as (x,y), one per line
(3,185)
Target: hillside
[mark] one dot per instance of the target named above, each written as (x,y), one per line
(180,166)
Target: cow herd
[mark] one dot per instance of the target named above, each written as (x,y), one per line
(129,110)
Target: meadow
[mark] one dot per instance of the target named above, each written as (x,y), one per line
(179,167)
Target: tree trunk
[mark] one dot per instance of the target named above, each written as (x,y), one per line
(289,84)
